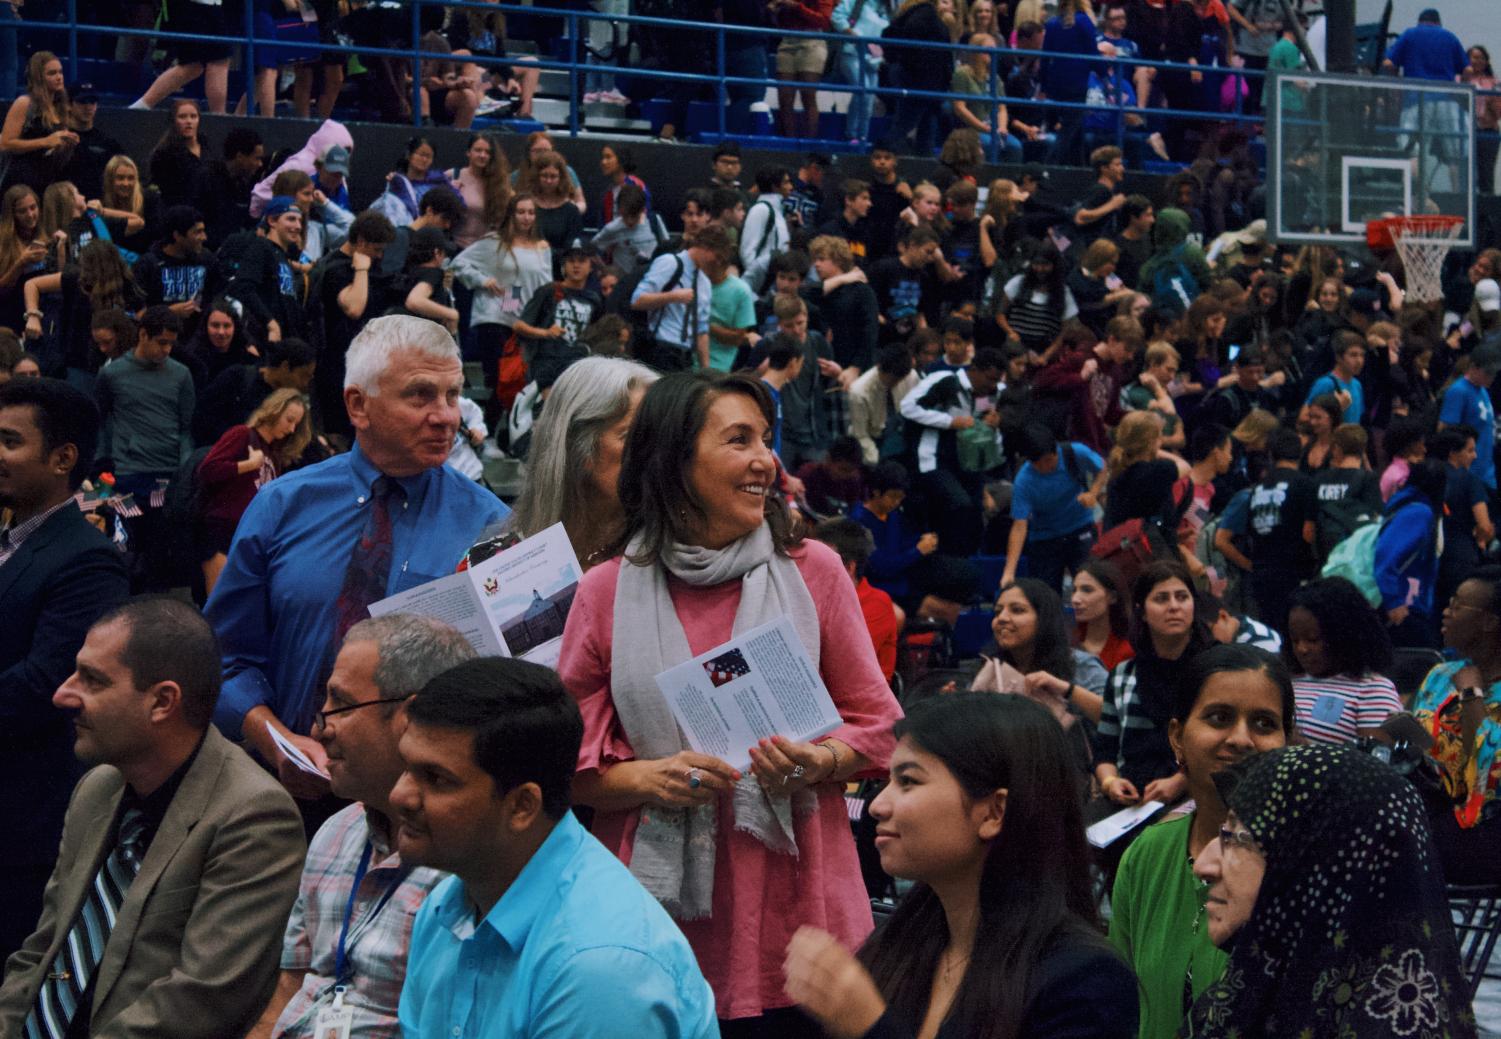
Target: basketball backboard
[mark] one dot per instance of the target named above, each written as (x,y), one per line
(1345,150)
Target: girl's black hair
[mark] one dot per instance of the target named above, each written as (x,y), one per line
(1153,574)
(1034,886)
(1053,286)
(1355,638)
(413,143)
(1051,651)
(1228,658)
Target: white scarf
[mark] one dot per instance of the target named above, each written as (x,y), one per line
(673,852)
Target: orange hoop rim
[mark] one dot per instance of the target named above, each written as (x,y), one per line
(1421,222)
(1383,233)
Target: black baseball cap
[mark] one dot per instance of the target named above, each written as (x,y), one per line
(425,238)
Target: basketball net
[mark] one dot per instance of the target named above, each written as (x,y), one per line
(1422,242)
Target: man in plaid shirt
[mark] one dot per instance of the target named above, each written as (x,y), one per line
(359,942)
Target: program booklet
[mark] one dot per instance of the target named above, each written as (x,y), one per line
(757,685)
(513,604)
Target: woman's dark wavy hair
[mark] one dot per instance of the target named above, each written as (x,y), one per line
(656,491)
(1034,887)
(1112,580)
(1051,651)
(1153,574)
(1354,637)
(1234,658)
(1053,286)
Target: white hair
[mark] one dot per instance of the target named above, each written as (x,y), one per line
(370,354)
(588,398)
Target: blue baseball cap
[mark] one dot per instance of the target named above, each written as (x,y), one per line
(278,205)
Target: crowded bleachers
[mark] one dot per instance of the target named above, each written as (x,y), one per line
(406,474)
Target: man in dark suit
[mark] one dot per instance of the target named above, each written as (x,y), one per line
(180,856)
(57,575)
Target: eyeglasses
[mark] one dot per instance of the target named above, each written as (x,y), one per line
(320,720)
(1237,838)
(1455,604)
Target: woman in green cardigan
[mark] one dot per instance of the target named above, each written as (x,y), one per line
(1234,701)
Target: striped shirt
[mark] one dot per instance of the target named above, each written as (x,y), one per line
(1034,318)
(1331,709)
(380,929)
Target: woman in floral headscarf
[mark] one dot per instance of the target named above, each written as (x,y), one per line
(1325,880)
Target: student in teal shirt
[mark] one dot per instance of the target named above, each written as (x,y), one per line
(1344,380)
(732,320)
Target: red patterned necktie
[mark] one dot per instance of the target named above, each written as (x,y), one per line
(370,562)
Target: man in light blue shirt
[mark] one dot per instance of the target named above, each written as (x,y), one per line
(1467,402)
(275,606)
(541,932)
(1052,507)
(677,293)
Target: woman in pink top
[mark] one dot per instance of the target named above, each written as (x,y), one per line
(485,185)
(740,860)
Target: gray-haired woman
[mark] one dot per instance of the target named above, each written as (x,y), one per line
(573,467)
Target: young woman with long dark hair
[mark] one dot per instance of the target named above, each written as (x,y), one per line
(484,183)
(1102,613)
(1234,701)
(1036,302)
(997,939)
(1134,762)
(741,859)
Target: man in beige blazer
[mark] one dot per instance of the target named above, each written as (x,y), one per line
(180,856)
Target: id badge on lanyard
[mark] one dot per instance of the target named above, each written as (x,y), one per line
(335,1021)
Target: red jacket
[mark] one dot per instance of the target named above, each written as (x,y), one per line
(1095,405)
(809,15)
(226,490)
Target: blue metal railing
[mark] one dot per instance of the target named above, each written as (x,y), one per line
(576,27)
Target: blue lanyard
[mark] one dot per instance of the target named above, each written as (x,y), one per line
(341,960)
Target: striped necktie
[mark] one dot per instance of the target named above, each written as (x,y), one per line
(369,568)
(66,983)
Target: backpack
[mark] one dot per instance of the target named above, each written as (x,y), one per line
(183,514)
(643,322)
(1136,542)
(1354,558)
(1174,286)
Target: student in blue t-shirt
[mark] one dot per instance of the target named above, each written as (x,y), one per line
(1467,402)
(1052,507)
(1344,380)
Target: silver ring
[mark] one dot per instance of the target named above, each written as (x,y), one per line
(797,773)
(693,781)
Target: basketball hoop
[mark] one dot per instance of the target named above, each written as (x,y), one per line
(1422,241)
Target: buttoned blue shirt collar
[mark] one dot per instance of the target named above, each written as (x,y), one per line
(514,915)
(363,473)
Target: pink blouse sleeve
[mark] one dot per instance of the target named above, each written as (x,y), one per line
(584,666)
(847,661)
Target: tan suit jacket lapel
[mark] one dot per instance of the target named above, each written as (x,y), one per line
(187,807)
(99,832)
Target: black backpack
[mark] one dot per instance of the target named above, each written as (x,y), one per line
(643,322)
(183,511)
